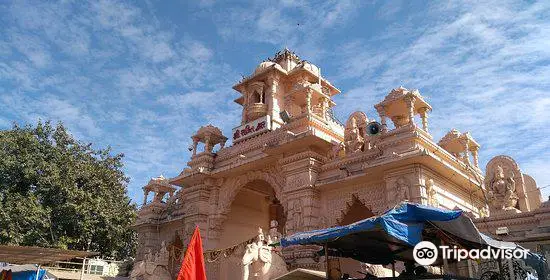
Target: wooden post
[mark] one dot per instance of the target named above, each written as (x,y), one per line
(83,268)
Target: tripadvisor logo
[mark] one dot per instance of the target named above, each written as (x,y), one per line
(426,253)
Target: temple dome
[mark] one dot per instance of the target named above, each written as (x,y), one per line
(262,66)
(311,67)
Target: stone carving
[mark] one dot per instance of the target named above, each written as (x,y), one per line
(257,259)
(161,257)
(372,196)
(152,267)
(431,193)
(401,190)
(502,190)
(354,135)
(295,216)
(336,149)
(274,233)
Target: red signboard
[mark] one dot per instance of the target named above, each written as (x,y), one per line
(252,128)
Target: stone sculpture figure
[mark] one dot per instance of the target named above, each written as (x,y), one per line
(336,149)
(296,215)
(152,267)
(274,233)
(257,259)
(354,141)
(162,255)
(402,190)
(431,192)
(502,190)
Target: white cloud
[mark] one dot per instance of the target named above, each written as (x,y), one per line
(110,69)
(299,25)
(49,107)
(483,67)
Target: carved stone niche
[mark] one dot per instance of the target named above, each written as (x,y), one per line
(505,186)
(257,103)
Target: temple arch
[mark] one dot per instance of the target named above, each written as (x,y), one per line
(249,203)
(355,211)
(230,189)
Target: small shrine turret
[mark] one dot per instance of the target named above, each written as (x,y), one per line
(160,187)
(210,136)
(461,145)
(401,105)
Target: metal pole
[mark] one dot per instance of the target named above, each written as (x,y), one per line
(37,272)
(326,261)
(393,269)
(83,268)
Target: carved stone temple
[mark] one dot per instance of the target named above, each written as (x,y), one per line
(291,166)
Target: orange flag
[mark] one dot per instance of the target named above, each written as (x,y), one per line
(192,267)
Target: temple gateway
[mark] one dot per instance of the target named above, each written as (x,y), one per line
(292,166)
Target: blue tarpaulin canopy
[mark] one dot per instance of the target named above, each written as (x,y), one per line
(391,236)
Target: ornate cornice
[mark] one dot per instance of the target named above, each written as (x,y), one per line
(303,155)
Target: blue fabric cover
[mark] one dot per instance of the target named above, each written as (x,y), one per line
(28,275)
(405,222)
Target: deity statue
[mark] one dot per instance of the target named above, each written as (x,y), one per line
(502,190)
(354,139)
(153,267)
(336,148)
(274,234)
(257,259)
(148,256)
(431,192)
(402,190)
(296,215)
(163,255)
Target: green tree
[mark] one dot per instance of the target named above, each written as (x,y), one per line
(58,192)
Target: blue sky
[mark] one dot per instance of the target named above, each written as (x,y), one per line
(142,77)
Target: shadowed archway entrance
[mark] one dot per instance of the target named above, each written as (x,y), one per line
(355,211)
(254,206)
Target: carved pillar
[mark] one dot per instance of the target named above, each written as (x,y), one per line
(308,101)
(145,194)
(382,114)
(196,209)
(326,107)
(424,116)
(207,145)
(215,218)
(410,107)
(475,155)
(245,106)
(466,156)
(289,100)
(273,104)
(303,204)
(195,143)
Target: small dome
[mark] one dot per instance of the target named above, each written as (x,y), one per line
(264,65)
(311,67)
